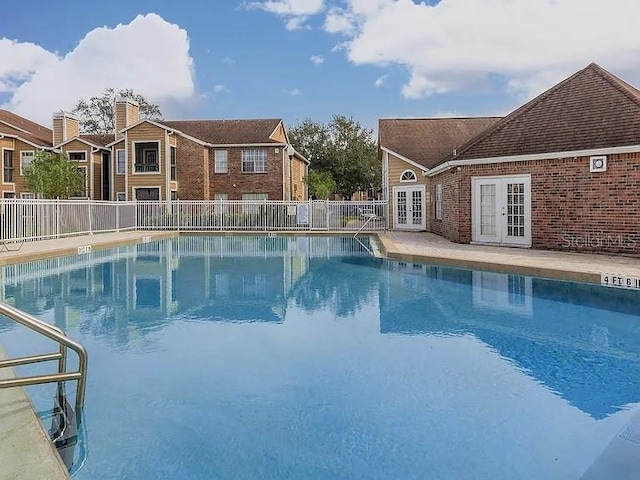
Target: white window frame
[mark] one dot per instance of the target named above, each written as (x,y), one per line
(173,163)
(439,201)
(13,166)
(254,161)
(86,156)
(219,162)
(410,180)
(124,196)
(124,161)
(27,195)
(22,155)
(133,157)
(149,187)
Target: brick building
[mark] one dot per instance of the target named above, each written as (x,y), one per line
(561,172)
(147,160)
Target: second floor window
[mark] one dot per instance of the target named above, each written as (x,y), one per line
(221,161)
(25,160)
(8,166)
(147,158)
(120,158)
(174,165)
(254,161)
(78,156)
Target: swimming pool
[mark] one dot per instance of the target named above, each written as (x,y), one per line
(296,357)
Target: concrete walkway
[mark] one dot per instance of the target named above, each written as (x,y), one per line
(26,451)
(430,248)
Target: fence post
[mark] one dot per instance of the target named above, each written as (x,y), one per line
(117,207)
(326,209)
(57,217)
(90,217)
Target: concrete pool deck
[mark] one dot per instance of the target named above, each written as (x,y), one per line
(429,248)
(25,450)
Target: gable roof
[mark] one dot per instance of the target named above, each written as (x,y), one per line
(228,132)
(17,126)
(98,140)
(427,141)
(591,109)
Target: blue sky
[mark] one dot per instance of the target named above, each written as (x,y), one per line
(373,58)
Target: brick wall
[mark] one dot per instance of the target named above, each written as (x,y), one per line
(235,183)
(191,168)
(449,226)
(572,209)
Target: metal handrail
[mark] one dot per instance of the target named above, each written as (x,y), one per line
(55,334)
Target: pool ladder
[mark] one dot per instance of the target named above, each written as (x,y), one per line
(64,343)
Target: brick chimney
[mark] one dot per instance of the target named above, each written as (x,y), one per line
(65,126)
(127,113)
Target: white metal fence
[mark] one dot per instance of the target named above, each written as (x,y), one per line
(27,220)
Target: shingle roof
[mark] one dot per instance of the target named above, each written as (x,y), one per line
(591,109)
(227,132)
(427,141)
(26,129)
(99,140)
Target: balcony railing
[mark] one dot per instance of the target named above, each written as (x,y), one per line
(146,167)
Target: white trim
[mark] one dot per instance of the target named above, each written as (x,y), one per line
(112,144)
(133,157)
(28,195)
(146,120)
(215,165)
(79,139)
(16,128)
(86,155)
(439,202)
(126,160)
(147,187)
(247,145)
(13,159)
(35,145)
(408,170)
(193,139)
(422,168)
(537,156)
(274,130)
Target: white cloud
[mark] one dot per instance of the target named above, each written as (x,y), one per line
(524,45)
(317,59)
(294,8)
(295,92)
(380,81)
(148,55)
(221,89)
(296,12)
(228,61)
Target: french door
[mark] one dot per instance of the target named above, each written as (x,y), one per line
(501,209)
(409,208)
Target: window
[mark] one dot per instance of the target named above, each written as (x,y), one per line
(7,164)
(9,195)
(25,160)
(221,165)
(77,156)
(146,159)
(122,197)
(174,195)
(439,201)
(408,176)
(254,161)
(147,194)
(28,195)
(253,208)
(120,159)
(174,167)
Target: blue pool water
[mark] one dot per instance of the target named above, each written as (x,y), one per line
(306,358)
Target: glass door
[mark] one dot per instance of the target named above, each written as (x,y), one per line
(409,208)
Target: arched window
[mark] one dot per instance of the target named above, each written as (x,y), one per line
(408,176)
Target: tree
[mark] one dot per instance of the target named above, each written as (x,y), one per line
(344,149)
(97,115)
(53,175)
(321,184)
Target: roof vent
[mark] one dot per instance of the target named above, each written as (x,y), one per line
(598,164)
(455,152)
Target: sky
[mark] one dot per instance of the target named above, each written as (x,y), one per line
(298,59)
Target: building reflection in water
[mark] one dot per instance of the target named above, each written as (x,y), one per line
(570,337)
(578,340)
